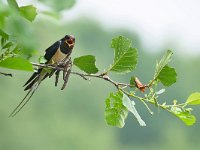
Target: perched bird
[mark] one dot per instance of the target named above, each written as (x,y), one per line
(56,54)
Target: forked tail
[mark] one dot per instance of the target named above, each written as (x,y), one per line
(31,85)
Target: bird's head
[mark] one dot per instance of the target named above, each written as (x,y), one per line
(69,40)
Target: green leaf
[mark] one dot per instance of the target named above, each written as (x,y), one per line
(130,105)
(61,5)
(7,45)
(17,63)
(161,91)
(13,4)
(55,15)
(125,56)
(42,60)
(194,99)
(163,62)
(4,35)
(167,76)
(28,12)
(185,116)
(86,63)
(116,112)
(16,50)
(49,70)
(3,41)
(4,13)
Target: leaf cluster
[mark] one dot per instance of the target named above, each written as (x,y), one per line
(120,103)
(13,53)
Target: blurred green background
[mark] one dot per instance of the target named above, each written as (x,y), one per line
(74,118)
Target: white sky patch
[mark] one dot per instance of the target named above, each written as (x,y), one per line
(156,21)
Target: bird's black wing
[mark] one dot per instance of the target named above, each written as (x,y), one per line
(35,80)
(51,51)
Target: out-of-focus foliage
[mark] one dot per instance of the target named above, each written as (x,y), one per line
(28,12)
(16,34)
(59,5)
(13,5)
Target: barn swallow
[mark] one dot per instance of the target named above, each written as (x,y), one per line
(58,52)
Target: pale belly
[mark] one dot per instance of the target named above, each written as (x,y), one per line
(58,56)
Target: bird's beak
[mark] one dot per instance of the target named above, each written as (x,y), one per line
(71,41)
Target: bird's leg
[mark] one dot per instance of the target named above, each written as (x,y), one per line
(58,65)
(57,73)
(66,79)
(66,72)
(66,69)
(66,63)
(61,64)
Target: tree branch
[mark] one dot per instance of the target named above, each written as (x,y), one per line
(120,86)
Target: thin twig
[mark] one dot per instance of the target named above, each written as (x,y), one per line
(145,104)
(120,86)
(79,74)
(6,74)
(48,66)
(84,76)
